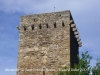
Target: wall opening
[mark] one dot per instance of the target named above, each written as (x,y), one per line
(60,15)
(54,24)
(32,27)
(40,27)
(34,20)
(63,24)
(43,71)
(47,25)
(24,28)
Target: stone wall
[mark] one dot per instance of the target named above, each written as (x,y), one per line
(44,43)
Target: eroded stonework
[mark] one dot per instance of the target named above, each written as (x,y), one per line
(47,41)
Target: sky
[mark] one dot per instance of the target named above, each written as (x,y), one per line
(86,14)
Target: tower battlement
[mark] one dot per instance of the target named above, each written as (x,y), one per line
(45,25)
(47,41)
(46,20)
(39,22)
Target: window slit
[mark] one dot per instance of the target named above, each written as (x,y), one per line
(32,27)
(40,27)
(47,25)
(24,28)
(43,71)
(54,24)
(63,24)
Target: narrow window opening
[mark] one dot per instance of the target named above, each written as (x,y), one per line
(32,27)
(40,27)
(47,25)
(34,20)
(55,25)
(43,71)
(63,24)
(24,28)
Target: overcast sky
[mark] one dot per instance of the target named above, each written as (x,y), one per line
(86,14)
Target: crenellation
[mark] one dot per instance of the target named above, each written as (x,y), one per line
(44,25)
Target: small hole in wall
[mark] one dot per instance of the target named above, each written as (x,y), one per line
(40,27)
(59,15)
(34,20)
(47,25)
(54,24)
(24,28)
(43,71)
(32,27)
(63,24)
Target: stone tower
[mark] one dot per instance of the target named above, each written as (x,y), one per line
(47,42)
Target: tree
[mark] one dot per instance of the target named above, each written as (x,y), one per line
(83,67)
(96,69)
(84,64)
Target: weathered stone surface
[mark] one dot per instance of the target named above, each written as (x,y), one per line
(46,41)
